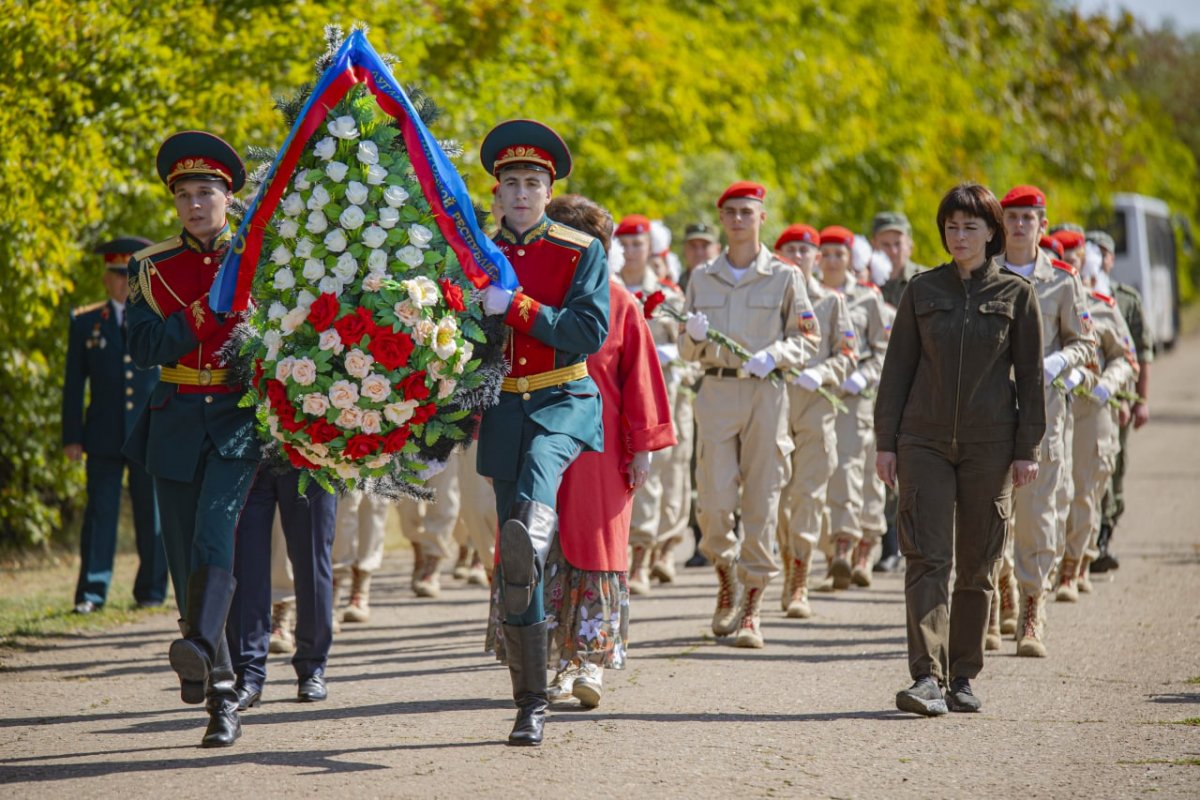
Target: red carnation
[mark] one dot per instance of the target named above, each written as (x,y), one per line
(276,393)
(322,311)
(453,294)
(395,441)
(391,350)
(297,458)
(413,387)
(653,302)
(362,445)
(422,414)
(321,432)
(354,326)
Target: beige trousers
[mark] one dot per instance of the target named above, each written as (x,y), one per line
(361,529)
(802,507)
(677,473)
(282,587)
(845,493)
(744,447)
(431,524)
(1095,444)
(874,520)
(477,523)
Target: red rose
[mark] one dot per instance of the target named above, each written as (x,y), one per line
(288,420)
(362,445)
(391,349)
(321,432)
(258,373)
(322,311)
(422,414)
(276,393)
(453,294)
(395,441)
(297,458)
(354,326)
(413,387)
(654,301)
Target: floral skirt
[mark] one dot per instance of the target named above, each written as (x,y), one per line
(587,613)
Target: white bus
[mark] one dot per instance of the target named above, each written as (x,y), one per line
(1146,259)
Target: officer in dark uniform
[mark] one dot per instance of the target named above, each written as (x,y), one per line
(193,438)
(549,409)
(98,358)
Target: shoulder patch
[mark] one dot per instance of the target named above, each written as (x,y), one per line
(1064,266)
(165,245)
(85,309)
(566,234)
(1103,298)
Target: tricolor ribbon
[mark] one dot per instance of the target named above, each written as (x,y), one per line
(357,62)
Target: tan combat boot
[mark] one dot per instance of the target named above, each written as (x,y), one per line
(283,618)
(839,568)
(789,584)
(418,564)
(429,580)
(1032,629)
(797,606)
(725,618)
(477,575)
(749,633)
(1068,590)
(861,575)
(462,563)
(662,565)
(1083,580)
(639,570)
(1007,589)
(991,641)
(341,579)
(359,607)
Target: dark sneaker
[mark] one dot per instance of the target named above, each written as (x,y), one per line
(960,698)
(923,697)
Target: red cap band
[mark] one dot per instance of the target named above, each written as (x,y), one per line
(199,165)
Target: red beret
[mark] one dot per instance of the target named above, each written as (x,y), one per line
(1069,239)
(1052,244)
(799,233)
(836,234)
(749,189)
(633,225)
(1024,197)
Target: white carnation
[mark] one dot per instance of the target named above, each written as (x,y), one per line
(343,127)
(335,240)
(352,218)
(419,235)
(395,196)
(284,279)
(316,222)
(374,236)
(368,153)
(336,171)
(410,255)
(326,148)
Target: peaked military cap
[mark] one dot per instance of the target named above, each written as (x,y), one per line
(199,154)
(117,251)
(528,144)
(890,221)
(1103,240)
(699,230)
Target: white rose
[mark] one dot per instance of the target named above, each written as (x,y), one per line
(443,343)
(277,310)
(284,279)
(289,228)
(314,270)
(374,236)
(346,269)
(343,394)
(281,256)
(316,222)
(305,298)
(347,472)
(410,255)
(326,148)
(352,218)
(350,417)
(368,153)
(419,235)
(304,371)
(356,193)
(293,205)
(464,355)
(315,404)
(304,248)
(318,199)
(272,339)
(399,413)
(330,285)
(376,388)
(377,261)
(273,425)
(283,369)
(318,450)
(371,421)
(381,460)
(437,369)
(302,183)
(446,388)
(343,127)
(331,340)
(395,196)
(388,217)
(358,364)
(423,331)
(376,175)
(335,240)
(423,291)
(407,312)
(293,319)
(336,171)
(373,282)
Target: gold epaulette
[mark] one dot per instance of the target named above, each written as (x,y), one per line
(75,312)
(152,250)
(570,235)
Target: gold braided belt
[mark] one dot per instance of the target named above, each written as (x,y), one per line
(545,380)
(187,376)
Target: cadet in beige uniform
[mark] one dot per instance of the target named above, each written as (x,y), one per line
(1066,344)
(874,518)
(476,525)
(759,302)
(430,527)
(811,419)
(854,428)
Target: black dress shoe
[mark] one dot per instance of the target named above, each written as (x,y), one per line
(887,564)
(248,697)
(697,560)
(312,689)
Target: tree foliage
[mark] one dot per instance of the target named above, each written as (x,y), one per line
(841,109)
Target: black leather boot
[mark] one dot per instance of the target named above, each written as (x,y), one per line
(526,649)
(525,540)
(1105,561)
(224,724)
(210,591)
(191,692)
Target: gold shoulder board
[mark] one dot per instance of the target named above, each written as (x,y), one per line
(89,307)
(567,234)
(155,249)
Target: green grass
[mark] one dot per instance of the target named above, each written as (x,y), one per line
(1193,681)
(1193,721)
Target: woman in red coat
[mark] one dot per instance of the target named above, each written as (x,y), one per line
(587,597)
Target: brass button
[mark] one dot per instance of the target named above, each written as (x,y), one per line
(525,396)
(153,271)
(208,366)
(128,405)
(208,398)
(520,252)
(128,359)
(129,391)
(207,260)
(128,373)
(523,385)
(521,360)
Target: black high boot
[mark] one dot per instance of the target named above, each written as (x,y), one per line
(210,591)
(525,646)
(1105,561)
(224,724)
(191,692)
(525,540)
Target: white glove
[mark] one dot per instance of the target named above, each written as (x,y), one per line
(1073,379)
(1101,393)
(431,469)
(808,380)
(496,300)
(761,364)
(667,353)
(1053,364)
(697,326)
(855,383)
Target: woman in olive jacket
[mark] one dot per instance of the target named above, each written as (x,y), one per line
(958,418)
